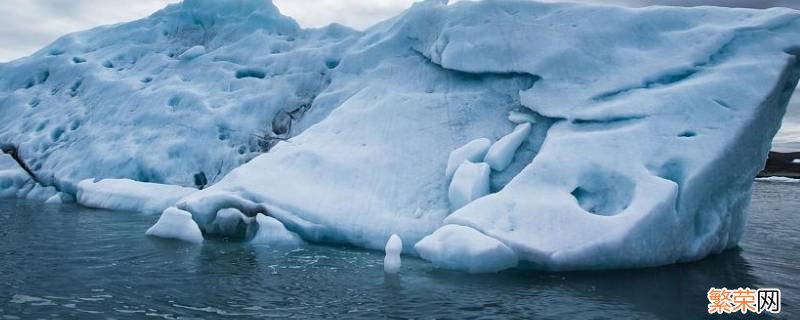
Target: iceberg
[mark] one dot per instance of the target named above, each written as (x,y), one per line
(635,134)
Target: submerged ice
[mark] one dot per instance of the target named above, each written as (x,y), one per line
(489,135)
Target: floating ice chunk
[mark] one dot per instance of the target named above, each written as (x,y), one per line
(502,152)
(470,182)
(464,248)
(192,53)
(176,224)
(521,117)
(273,233)
(129,195)
(474,151)
(392,261)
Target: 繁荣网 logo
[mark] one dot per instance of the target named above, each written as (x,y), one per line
(724,301)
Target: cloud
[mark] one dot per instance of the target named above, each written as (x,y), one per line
(28,25)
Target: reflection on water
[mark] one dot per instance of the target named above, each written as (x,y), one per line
(69,262)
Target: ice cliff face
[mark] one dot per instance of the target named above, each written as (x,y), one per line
(616,137)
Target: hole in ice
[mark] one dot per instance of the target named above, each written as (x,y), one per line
(43,76)
(332,64)
(174,101)
(687,134)
(604,194)
(108,64)
(34,102)
(229,223)
(78,60)
(147,80)
(282,123)
(56,52)
(57,133)
(242,149)
(200,180)
(73,90)
(75,125)
(223,133)
(41,126)
(251,73)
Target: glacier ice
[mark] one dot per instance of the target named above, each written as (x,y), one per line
(636,132)
(176,224)
(392,261)
(192,53)
(273,233)
(464,248)
(502,152)
(129,195)
(474,151)
(470,182)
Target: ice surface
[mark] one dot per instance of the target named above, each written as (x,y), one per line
(168,97)
(273,233)
(646,126)
(474,151)
(176,224)
(192,53)
(392,262)
(521,117)
(12,181)
(502,152)
(466,249)
(129,195)
(470,182)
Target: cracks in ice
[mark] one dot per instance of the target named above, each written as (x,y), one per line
(606,123)
(531,78)
(667,79)
(13,151)
(679,75)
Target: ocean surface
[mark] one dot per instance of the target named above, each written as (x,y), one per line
(68,262)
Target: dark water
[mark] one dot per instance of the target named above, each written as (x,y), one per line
(74,263)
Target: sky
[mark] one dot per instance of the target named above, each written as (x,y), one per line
(28,25)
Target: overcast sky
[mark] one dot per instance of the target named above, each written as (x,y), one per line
(27,25)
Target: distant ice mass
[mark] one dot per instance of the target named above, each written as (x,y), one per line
(487,135)
(778,179)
